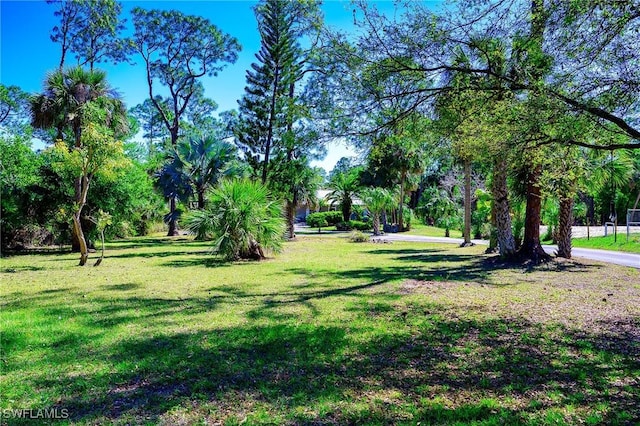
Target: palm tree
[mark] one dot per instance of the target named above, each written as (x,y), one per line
(68,97)
(66,93)
(241,219)
(296,182)
(195,165)
(345,187)
(206,160)
(175,186)
(377,201)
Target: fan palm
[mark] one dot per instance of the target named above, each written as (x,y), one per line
(194,165)
(206,160)
(241,219)
(66,93)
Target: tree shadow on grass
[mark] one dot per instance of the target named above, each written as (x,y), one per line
(22,268)
(153,254)
(441,265)
(121,287)
(142,242)
(404,366)
(207,260)
(291,297)
(474,365)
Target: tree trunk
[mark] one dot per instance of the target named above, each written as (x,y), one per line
(376,224)
(401,209)
(82,189)
(201,198)
(531,248)
(99,261)
(76,245)
(77,229)
(291,210)
(173,223)
(467,204)
(499,191)
(272,121)
(346,210)
(254,252)
(564,227)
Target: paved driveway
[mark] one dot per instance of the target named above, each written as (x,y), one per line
(617,257)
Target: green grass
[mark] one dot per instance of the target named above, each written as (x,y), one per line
(328,332)
(432,231)
(608,243)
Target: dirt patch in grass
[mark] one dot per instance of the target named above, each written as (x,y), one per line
(572,294)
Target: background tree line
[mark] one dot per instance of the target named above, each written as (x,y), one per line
(492,117)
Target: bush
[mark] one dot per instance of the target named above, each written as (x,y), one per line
(353,224)
(333,217)
(358,237)
(317,220)
(481,216)
(359,225)
(320,219)
(407,218)
(241,219)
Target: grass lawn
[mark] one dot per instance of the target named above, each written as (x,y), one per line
(328,332)
(431,231)
(607,243)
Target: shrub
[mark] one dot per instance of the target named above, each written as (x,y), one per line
(333,217)
(353,224)
(242,220)
(360,225)
(358,237)
(317,220)
(407,218)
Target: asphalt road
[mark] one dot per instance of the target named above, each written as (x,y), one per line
(607,256)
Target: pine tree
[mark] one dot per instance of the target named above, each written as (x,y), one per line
(270,84)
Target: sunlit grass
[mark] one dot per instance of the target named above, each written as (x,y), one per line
(611,242)
(432,231)
(328,332)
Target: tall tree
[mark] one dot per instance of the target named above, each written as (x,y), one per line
(177,51)
(74,102)
(269,82)
(150,121)
(273,128)
(90,29)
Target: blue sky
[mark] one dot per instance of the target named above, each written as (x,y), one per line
(27,53)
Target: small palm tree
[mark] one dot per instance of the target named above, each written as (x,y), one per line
(345,187)
(377,201)
(297,183)
(242,220)
(193,166)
